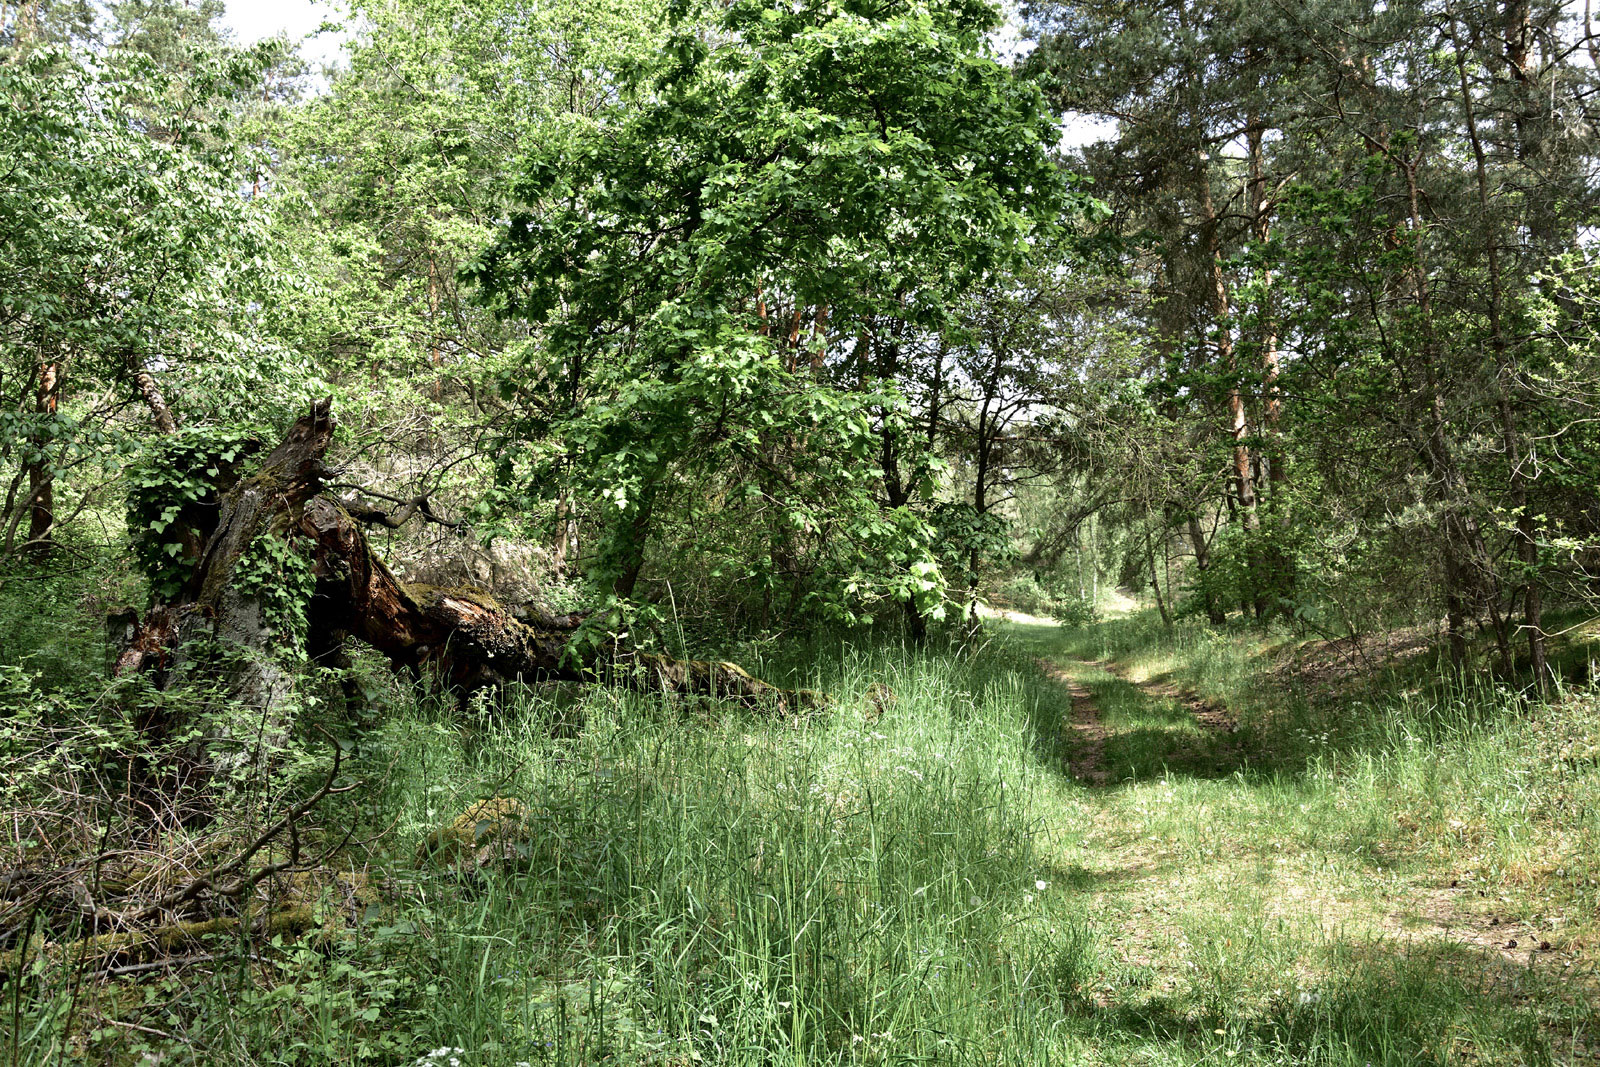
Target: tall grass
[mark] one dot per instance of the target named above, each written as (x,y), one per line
(697,883)
(718,887)
(900,881)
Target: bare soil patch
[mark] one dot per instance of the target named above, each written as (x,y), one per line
(1328,667)
(1087,763)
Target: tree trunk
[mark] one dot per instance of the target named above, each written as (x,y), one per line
(1155,582)
(41,480)
(145,383)
(1272,457)
(897,490)
(983,446)
(564,549)
(1221,311)
(1511,439)
(460,636)
(623,552)
(1202,562)
(1471,580)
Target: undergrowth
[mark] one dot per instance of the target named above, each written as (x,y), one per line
(912,877)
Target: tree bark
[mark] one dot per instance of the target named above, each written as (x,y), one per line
(1260,209)
(1155,581)
(1202,562)
(459,635)
(1511,439)
(150,393)
(896,488)
(1221,310)
(1471,580)
(623,553)
(41,480)
(564,548)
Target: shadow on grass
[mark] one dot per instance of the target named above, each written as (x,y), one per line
(1377,1004)
(1269,727)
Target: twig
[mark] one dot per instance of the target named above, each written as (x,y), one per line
(170,961)
(245,883)
(418,505)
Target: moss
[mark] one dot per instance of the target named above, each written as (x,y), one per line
(143,943)
(484,831)
(427,595)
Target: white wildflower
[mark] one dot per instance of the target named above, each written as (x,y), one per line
(444,1053)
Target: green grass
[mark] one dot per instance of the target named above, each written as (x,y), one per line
(702,885)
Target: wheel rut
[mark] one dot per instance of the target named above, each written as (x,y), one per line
(1087,763)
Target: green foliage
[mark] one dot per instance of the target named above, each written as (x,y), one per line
(192,290)
(1050,597)
(171,487)
(786,321)
(966,534)
(1266,567)
(1348,315)
(276,573)
(52,614)
(866,168)
(137,280)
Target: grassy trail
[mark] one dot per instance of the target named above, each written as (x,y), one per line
(1037,850)
(1271,907)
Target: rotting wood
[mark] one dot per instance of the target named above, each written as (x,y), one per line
(107,949)
(460,635)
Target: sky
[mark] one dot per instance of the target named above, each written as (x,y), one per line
(251,20)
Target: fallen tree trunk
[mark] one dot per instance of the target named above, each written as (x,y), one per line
(466,638)
(102,952)
(325,585)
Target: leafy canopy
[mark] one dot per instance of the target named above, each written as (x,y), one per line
(864,163)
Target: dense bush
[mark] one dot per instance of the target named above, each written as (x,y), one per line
(1053,598)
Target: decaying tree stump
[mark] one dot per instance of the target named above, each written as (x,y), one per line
(235,632)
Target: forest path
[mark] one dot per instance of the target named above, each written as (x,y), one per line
(1273,891)
(1086,763)
(1128,729)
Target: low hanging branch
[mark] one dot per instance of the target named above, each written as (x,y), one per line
(419,505)
(460,634)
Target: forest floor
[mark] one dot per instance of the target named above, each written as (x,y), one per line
(1207,861)
(1116,844)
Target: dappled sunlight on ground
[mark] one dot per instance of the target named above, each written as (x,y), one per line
(1021,618)
(1215,883)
